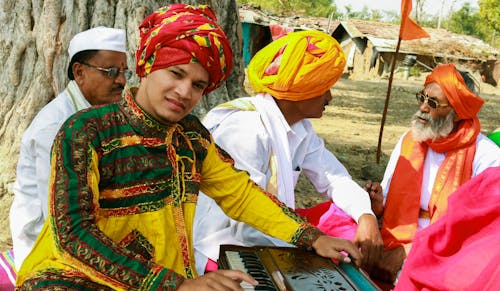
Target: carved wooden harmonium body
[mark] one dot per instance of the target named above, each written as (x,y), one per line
(280,268)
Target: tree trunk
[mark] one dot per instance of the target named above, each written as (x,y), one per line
(419,10)
(34,38)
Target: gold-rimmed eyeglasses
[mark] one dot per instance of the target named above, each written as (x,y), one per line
(431,101)
(112,72)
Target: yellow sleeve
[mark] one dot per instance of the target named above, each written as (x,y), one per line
(245,201)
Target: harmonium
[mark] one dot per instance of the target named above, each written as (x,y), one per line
(286,268)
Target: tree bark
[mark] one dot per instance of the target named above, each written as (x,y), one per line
(419,10)
(34,38)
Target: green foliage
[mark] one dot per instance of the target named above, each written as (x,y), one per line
(489,11)
(483,24)
(321,8)
(370,14)
(377,15)
(318,8)
(464,21)
(392,16)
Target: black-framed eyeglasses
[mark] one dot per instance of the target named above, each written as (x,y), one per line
(431,101)
(112,72)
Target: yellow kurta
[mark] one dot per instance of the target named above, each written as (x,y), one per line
(122,200)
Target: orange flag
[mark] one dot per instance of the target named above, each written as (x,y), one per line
(409,30)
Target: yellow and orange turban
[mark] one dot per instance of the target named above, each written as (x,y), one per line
(298,66)
(183,34)
(465,103)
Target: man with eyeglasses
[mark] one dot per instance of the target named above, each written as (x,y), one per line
(97,72)
(443,149)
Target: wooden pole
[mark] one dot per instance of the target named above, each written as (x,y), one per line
(387,97)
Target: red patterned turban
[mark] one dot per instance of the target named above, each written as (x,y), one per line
(183,34)
(465,103)
(299,66)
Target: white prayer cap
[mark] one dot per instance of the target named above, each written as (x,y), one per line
(98,38)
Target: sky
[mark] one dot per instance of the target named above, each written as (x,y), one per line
(431,6)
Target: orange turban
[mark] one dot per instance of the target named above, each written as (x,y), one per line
(298,66)
(465,103)
(183,34)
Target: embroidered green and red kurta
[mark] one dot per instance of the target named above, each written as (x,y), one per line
(122,197)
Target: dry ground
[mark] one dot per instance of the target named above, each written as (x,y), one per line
(351,124)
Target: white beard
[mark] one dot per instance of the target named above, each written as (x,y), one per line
(434,129)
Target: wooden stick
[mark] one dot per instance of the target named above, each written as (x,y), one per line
(387,97)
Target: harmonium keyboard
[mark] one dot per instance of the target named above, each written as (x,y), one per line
(284,268)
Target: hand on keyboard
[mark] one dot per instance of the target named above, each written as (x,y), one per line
(218,280)
(331,247)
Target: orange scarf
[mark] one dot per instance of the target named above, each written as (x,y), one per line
(403,200)
(402,206)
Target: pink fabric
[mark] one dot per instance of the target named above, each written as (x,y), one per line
(278,31)
(461,250)
(211,266)
(330,219)
(7,271)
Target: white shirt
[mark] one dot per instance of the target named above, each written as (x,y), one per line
(29,208)
(250,137)
(487,155)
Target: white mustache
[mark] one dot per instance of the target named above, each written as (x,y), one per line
(421,115)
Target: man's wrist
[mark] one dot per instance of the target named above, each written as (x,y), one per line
(365,215)
(307,236)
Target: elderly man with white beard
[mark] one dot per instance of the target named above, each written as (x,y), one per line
(443,149)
